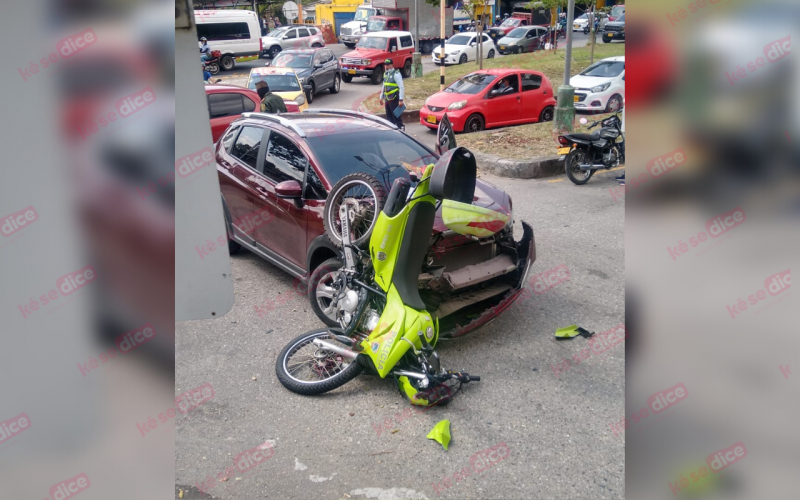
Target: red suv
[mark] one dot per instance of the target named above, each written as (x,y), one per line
(275,173)
(227,103)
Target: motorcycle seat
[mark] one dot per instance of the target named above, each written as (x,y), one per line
(594,136)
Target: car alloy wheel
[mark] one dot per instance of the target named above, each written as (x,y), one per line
(614,104)
(337,84)
(462,59)
(490,55)
(474,123)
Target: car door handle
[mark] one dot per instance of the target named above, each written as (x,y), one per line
(262,189)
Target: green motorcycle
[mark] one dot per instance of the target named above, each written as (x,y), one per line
(386,327)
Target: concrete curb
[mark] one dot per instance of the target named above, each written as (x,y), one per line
(535,168)
(408,116)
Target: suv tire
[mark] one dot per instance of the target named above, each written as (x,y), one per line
(377,75)
(347,78)
(337,83)
(407,69)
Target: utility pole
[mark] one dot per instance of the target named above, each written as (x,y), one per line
(416,59)
(565,106)
(441,73)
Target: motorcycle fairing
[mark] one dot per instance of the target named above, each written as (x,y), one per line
(398,329)
(468,219)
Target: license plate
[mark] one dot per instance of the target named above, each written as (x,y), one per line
(351,72)
(431,119)
(577,26)
(611,35)
(502,47)
(564,151)
(576,98)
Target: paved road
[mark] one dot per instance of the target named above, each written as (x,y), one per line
(351,93)
(554,425)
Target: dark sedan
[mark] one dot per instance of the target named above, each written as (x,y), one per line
(318,68)
(615,30)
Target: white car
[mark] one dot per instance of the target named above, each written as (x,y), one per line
(580,23)
(601,86)
(463,47)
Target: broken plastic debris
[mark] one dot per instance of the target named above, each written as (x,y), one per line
(441,433)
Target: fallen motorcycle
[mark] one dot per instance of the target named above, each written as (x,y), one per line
(388,330)
(587,153)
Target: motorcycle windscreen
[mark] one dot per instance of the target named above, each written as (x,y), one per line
(467,219)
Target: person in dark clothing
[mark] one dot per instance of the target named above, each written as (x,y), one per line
(392,93)
(270,103)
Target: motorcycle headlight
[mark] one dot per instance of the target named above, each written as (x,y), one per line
(300,100)
(601,88)
(456,105)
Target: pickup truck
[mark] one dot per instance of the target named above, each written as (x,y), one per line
(389,15)
(374,48)
(516,20)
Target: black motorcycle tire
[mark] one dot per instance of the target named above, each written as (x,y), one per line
(567,166)
(313,388)
(212,68)
(347,182)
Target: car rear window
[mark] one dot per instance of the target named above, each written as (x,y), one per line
(277,83)
(340,154)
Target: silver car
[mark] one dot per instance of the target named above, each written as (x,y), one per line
(522,39)
(291,37)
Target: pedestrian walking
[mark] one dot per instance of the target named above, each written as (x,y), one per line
(392,94)
(270,103)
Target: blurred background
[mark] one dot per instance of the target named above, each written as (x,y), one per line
(85,174)
(692,87)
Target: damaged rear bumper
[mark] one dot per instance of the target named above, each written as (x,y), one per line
(526,254)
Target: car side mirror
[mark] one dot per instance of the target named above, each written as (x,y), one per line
(495,93)
(266,64)
(307,88)
(318,66)
(471,44)
(285,37)
(289,189)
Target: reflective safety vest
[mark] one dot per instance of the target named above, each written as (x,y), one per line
(390,88)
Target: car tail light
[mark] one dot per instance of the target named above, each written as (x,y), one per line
(563,140)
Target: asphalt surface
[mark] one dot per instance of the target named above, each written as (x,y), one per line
(355,442)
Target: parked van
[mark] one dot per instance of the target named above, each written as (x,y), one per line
(235,33)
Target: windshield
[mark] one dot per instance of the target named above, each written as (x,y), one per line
(617,11)
(471,84)
(372,42)
(376,25)
(517,33)
(363,14)
(621,19)
(369,153)
(605,69)
(277,83)
(582,16)
(510,22)
(293,61)
(459,40)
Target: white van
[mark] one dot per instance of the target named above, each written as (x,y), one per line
(235,33)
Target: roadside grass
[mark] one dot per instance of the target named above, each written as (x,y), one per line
(522,142)
(551,63)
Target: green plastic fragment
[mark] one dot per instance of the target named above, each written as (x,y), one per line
(441,433)
(567,332)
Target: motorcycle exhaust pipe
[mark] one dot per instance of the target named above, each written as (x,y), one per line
(347,353)
(416,375)
(591,167)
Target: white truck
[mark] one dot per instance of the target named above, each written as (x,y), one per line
(387,15)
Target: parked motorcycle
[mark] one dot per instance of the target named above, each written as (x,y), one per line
(587,153)
(212,64)
(386,328)
(596,27)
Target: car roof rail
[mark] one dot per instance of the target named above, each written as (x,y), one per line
(276,118)
(355,114)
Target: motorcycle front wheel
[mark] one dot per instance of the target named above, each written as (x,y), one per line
(572,164)
(304,368)
(213,68)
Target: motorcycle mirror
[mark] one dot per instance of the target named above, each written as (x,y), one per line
(583,120)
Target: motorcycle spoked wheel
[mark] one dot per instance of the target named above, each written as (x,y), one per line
(213,68)
(306,369)
(363,192)
(574,172)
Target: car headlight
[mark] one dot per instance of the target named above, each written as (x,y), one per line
(358,33)
(510,43)
(366,62)
(300,100)
(456,105)
(455,53)
(601,88)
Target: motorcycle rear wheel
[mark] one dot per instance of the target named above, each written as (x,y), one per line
(213,68)
(574,172)
(305,369)
(359,189)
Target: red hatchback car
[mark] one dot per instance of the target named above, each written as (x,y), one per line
(491,98)
(227,103)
